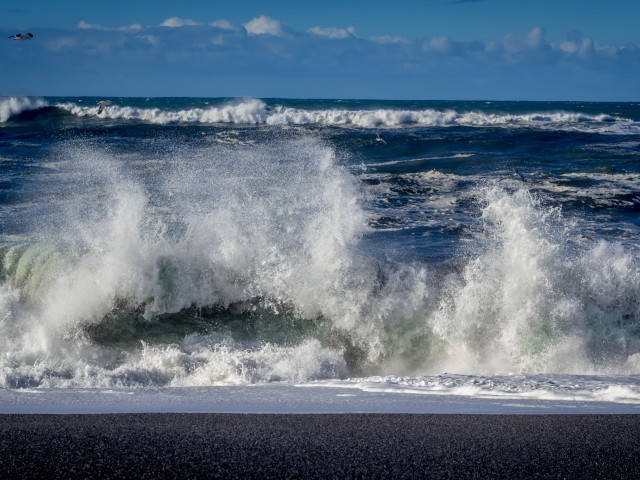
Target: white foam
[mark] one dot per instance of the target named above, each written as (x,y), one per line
(605,189)
(566,388)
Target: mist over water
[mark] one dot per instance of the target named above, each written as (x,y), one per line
(152,255)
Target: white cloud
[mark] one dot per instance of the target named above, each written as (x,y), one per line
(82,25)
(341,34)
(568,47)
(440,45)
(389,39)
(265,26)
(332,32)
(89,26)
(175,22)
(218,40)
(224,25)
(516,45)
(586,48)
(533,38)
(150,39)
(510,43)
(609,51)
(528,47)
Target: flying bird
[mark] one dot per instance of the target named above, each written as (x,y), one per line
(379,138)
(22,36)
(102,104)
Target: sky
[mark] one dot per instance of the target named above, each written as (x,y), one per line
(405,49)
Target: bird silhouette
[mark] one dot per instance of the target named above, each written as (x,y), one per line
(102,104)
(379,138)
(22,36)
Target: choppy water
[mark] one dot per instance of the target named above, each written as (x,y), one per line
(194,242)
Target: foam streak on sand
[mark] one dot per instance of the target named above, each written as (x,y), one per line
(445,394)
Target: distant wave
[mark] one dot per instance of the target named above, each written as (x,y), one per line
(12,106)
(257,112)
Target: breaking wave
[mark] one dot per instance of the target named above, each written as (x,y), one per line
(258,112)
(229,265)
(13,106)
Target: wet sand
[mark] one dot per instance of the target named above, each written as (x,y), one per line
(319,446)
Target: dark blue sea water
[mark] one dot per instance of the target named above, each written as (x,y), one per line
(192,241)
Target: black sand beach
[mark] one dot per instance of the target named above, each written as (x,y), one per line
(319,446)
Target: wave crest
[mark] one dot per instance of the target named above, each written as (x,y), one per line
(249,111)
(12,106)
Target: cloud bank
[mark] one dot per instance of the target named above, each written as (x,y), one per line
(264,57)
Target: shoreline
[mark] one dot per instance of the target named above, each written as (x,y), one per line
(190,445)
(344,398)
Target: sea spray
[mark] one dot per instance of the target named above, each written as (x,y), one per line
(529,302)
(272,230)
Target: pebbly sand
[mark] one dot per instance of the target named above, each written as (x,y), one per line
(319,446)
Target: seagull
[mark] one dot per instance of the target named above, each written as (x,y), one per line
(22,36)
(379,138)
(103,103)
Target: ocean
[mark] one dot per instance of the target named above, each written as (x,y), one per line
(464,249)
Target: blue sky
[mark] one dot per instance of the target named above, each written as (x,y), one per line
(403,49)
